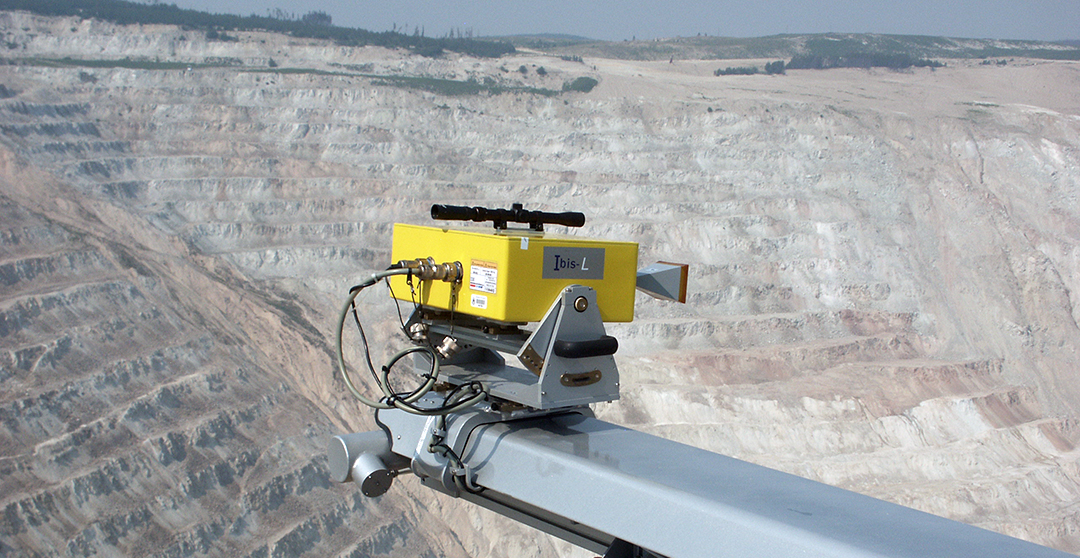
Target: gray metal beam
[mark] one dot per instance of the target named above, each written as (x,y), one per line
(684,502)
(575,533)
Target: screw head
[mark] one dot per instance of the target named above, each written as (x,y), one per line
(581,304)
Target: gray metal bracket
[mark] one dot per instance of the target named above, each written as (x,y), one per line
(566,362)
(577,365)
(414,435)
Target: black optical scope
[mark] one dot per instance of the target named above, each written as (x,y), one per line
(500,217)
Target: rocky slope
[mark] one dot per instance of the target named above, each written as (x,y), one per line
(882,276)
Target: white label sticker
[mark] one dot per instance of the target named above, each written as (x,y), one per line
(483,276)
(478,301)
(524,243)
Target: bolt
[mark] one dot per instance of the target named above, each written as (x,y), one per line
(581,304)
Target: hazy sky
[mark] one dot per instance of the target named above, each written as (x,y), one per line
(644,19)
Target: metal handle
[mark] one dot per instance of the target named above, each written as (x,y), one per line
(606,345)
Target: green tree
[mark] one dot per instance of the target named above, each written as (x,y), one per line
(582,84)
(317,18)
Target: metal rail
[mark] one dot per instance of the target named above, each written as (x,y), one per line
(601,486)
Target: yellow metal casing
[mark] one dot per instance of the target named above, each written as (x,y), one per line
(514,276)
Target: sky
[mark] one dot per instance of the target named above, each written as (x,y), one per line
(650,19)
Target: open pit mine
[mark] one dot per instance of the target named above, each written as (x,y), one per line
(882,272)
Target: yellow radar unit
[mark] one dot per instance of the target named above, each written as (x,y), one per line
(514,275)
(511,316)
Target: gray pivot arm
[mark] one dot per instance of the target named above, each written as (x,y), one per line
(593,484)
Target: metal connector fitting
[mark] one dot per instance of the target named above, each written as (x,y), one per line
(427,270)
(418,332)
(448,347)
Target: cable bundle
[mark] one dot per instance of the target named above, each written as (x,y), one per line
(457,399)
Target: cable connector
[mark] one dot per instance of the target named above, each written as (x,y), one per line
(448,348)
(426,269)
(418,332)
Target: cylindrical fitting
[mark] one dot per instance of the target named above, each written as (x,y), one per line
(372,475)
(346,448)
(418,332)
(409,264)
(366,458)
(426,269)
(454,272)
(448,347)
(449,271)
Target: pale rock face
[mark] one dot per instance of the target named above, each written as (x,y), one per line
(882,276)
